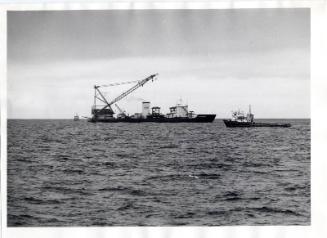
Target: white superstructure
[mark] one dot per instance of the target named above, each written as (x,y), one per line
(145,109)
(181,110)
(239,116)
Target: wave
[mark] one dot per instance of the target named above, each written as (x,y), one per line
(266,209)
(131,191)
(33,200)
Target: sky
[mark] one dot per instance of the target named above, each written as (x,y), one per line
(216,61)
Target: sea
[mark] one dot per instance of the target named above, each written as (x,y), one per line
(75,173)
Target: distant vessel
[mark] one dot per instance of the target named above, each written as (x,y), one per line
(178,113)
(240,120)
(76,117)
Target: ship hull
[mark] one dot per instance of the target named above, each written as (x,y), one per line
(201,118)
(230,123)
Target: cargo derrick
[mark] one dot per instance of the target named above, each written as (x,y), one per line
(106,112)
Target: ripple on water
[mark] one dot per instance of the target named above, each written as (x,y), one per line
(65,173)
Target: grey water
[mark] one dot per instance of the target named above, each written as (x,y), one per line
(75,173)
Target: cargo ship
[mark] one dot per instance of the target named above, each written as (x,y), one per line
(177,114)
(239,119)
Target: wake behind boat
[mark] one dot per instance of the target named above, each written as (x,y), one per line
(239,119)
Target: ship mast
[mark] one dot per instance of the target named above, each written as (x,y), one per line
(250,115)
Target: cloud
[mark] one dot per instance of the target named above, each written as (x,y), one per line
(59,89)
(292,63)
(214,59)
(76,35)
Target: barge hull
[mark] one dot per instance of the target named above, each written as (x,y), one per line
(230,123)
(201,118)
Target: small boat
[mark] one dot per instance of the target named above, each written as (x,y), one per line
(76,117)
(239,119)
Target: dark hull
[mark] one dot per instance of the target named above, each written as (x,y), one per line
(201,118)
(230,123)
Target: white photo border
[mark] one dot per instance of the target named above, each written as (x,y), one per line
(318,61)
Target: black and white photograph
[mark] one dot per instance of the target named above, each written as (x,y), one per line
(158,117)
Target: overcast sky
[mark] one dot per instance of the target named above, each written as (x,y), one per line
(215,60)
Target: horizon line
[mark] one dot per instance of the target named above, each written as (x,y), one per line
(215,118)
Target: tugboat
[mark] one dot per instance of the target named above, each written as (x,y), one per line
(76,117)
(240,120)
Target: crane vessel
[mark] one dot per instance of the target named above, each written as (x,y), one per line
(105,112)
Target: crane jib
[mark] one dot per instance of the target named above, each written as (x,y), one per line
(121,96)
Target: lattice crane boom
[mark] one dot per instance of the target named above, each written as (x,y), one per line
(120,110)
(139,84)
(121,96)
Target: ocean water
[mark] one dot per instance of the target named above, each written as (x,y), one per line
(66,173)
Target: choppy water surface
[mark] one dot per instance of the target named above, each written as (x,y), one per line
(66,173)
